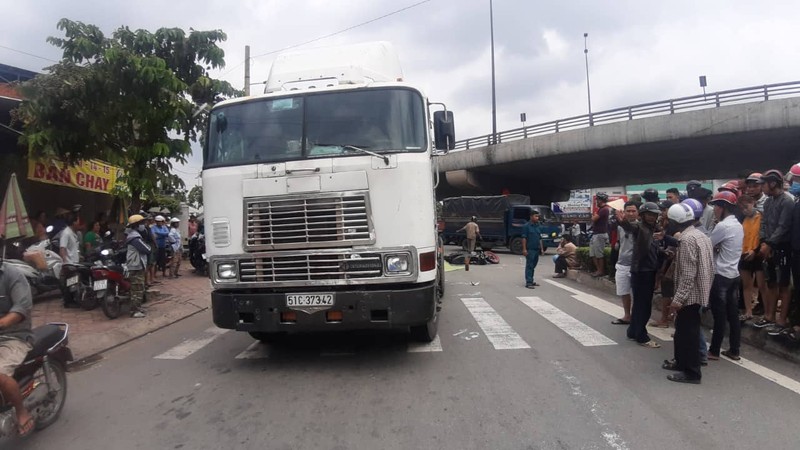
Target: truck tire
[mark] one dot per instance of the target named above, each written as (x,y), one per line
(428,330)
(516,246)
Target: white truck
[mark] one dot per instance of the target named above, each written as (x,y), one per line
(319,199)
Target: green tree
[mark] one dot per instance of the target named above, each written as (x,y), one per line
(195,197)
(131,99)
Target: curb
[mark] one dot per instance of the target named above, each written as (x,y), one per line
(92,358)
(751,336)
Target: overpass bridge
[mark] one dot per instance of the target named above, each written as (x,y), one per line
(719,135)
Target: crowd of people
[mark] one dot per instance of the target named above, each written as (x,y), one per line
(735,252)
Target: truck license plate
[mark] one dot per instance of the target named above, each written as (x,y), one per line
(100,285)
(71,281)
(309,300)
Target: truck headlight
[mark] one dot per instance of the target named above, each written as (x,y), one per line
(397,263)
(227,271)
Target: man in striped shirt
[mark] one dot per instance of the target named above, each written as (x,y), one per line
(694,272)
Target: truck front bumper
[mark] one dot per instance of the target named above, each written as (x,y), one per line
(366,309)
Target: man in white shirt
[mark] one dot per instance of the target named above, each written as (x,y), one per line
(727,238)
(68,243)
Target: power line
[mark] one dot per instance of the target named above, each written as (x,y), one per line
(29,54)
(331,34)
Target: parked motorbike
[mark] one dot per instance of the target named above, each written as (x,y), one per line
(111,285)
(77,285)
(47,276)
(197,251)
(42,379)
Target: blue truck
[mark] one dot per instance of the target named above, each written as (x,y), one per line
(500,219)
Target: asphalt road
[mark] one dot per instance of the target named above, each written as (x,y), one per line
(501,376)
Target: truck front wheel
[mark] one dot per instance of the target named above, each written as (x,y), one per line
(516,246)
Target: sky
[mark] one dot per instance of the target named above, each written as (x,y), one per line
(639,51)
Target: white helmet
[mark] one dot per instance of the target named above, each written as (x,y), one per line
(174,220)
(160,218)
(680,213)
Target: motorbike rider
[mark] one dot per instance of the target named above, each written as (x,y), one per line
(136,260)
(16,338)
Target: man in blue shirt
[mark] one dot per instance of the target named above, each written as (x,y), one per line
(160,233)
(532,247)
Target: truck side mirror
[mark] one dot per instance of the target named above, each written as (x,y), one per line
(444,130)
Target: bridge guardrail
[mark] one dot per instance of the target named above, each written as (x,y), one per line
(659,108)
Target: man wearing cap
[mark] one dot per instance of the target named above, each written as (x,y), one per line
(727,238)
(136,261)
(599,240)
(473,234)
(775,249)
(752,187)
(532,248)
(160,233)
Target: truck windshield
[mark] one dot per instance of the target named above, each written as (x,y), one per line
(316,125)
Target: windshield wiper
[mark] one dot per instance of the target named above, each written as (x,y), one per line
(358,149)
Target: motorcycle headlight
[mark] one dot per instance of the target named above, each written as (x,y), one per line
(105,252)
(397,263)
(227,271)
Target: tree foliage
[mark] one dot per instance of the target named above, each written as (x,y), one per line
(195,197)
(130,99)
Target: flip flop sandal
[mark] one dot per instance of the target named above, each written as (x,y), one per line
(713,357)
(620,322)
(28,428)
(650,344)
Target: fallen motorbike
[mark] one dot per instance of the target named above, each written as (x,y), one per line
(111,285)
(42,267)
(197,250)
(479,257)
(42,379)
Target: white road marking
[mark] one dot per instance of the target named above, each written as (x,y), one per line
(616,311)
(581,332)
(189,346)
(613,439)
(256,350)
(423,347)
(497,330)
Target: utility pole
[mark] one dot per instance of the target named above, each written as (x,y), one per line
(494,97)
(588,91)
(246,70)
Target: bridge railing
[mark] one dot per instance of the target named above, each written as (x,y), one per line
(659,108)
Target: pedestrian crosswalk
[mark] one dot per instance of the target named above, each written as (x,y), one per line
(483,322)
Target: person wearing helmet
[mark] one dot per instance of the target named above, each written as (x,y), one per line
(532,247)
(694,268)
(473,234)
(175,247)
(750,264)
(136,255)
(644,265)
(753,187)
(727,238)
(650,195)
(160,233)
(793,333)
(696,191)
(599,240)
(775,249)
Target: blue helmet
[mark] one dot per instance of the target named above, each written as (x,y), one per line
(697,207)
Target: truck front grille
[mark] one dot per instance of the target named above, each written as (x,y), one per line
(277,269)
(337,220)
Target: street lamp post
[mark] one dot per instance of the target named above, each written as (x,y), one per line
(588,91)
(494,97)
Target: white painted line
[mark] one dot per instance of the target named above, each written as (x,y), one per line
(497,330)
(189,346)
(256,350)
(664,335)
(423,347)
(769,374)
(581,332)
(615,311)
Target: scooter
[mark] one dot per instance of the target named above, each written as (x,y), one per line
(197,250)
(110,283)
(42,379)
(46,279)
(77,285)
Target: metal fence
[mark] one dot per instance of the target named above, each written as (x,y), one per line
(660,108)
